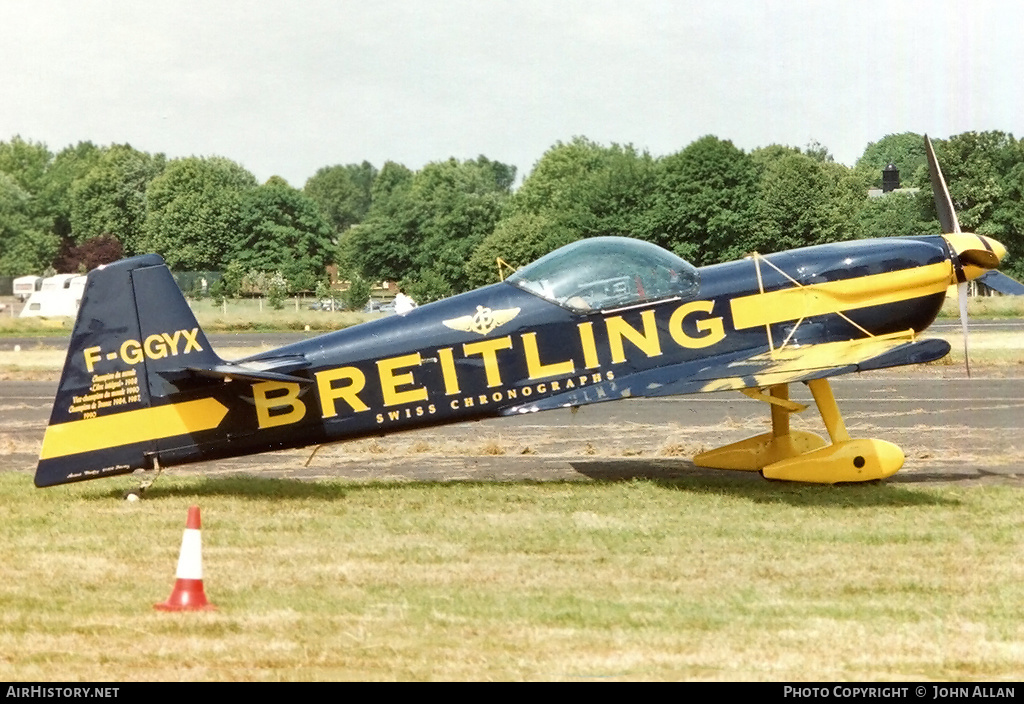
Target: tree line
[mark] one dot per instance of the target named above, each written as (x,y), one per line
(439,230)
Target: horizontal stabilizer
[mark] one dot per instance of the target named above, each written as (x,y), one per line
(248,372)
(272,369)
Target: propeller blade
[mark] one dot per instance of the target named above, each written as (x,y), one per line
(961,295)
(943,201)
(965,250)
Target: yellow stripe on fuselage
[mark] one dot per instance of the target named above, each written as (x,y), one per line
(840,296)
(127,427)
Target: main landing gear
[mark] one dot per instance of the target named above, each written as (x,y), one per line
(797,455)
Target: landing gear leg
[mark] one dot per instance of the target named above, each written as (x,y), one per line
(805,457)
(753,454)
(846,459)
(136,494)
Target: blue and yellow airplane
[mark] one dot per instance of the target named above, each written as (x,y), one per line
(600,319)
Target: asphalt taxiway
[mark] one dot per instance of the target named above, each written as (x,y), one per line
(952,429)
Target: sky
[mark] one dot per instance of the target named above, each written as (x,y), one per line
(286,87)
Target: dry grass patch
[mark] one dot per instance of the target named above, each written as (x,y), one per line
(240,315)
(680,449)
(491,448)
(15,443)
(32,359)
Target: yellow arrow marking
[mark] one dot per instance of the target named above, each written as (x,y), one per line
(129,427)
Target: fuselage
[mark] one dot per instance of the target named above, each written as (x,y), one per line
(521,353)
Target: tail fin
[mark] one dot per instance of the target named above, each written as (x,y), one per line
(134,333)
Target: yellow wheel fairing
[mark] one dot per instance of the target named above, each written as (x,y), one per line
(850,461)
(756,453)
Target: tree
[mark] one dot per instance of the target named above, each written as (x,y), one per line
(974,165)
(703,208)
(1007,222)
(457,205)
(111,198)
(819,152)
(518,240)
(393,180)
(343,193)
(427,285)
(895,214)
(283,231)
(382,246)
(85,257)
(422,227)
(358,293)
(26,163)
(589,189)
(195,212)
(234,275)
(25,245)
(765,156)
(71,164)
(803,202)
(557,183)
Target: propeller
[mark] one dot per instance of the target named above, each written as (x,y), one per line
(971,255)
(943,201)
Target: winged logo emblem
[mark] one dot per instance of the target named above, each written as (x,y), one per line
(483,321)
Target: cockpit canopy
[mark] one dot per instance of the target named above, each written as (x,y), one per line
(599,273)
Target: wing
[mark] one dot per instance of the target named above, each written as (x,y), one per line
(820,360)
(763,368)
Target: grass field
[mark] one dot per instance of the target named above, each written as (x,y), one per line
(725,579)
(985,307)
(242,315)
(236,315)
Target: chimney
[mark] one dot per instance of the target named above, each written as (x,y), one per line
(890,178)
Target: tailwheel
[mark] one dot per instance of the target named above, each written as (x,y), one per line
(805,457)
(133,495)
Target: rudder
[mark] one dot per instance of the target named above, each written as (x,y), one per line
(133,330)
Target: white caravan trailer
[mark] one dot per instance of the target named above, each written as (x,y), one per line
(59,296)
(25,286)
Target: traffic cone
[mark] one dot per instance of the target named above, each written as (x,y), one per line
(188,593)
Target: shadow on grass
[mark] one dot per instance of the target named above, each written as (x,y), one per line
(683,475)
(240,486)
(669,474)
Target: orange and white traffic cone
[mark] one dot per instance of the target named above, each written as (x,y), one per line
(188,593)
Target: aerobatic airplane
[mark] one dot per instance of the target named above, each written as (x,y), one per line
(601,319)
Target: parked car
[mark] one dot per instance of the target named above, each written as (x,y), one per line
(327,304)
(375,306)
